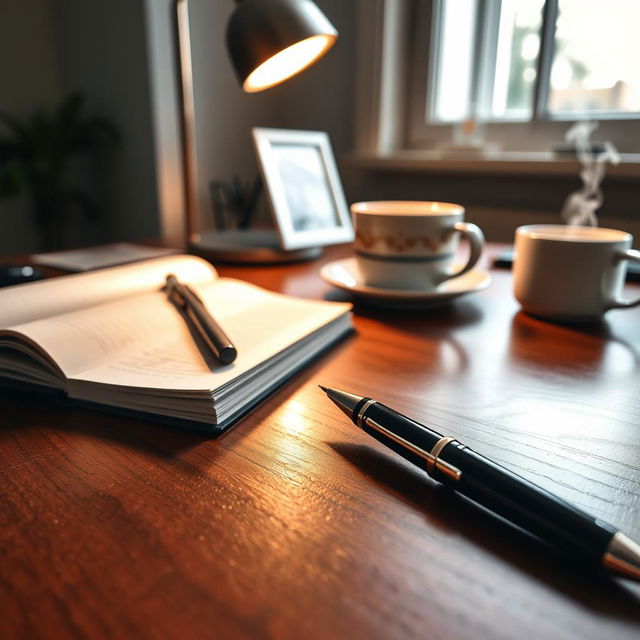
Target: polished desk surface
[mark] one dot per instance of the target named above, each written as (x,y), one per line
(294,524)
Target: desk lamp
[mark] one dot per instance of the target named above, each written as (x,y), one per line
(268,42)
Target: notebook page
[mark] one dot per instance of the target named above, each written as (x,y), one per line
(98,335)
(145,342)
(44,299)
(199,406)
(260,324)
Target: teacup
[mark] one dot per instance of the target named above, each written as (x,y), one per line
(402,244)
(571,273)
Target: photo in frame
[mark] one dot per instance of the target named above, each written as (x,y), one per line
(303,187)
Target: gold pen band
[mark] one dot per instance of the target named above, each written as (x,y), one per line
(363,410)
(433,462)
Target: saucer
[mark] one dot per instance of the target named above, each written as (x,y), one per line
(345,274)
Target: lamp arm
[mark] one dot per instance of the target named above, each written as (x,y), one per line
(187,119)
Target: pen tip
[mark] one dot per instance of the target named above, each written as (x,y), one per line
(323,388)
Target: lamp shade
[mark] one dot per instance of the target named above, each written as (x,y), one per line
(272,40)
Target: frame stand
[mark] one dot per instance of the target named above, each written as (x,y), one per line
(248,246)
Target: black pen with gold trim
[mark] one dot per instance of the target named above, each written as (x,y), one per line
(492,486)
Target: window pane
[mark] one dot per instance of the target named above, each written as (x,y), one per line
(454,60)
(517,52)
(597,52)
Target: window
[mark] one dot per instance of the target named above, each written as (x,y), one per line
(484,59)
(595,61)
(514,73)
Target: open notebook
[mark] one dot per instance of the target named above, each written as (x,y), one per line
(112,338)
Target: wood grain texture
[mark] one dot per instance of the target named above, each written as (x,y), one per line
(296,525)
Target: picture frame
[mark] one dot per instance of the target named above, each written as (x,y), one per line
(303,187)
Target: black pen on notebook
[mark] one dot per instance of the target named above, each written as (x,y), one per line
(209,330)
(494,487)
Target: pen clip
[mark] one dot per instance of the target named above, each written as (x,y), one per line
(434,462)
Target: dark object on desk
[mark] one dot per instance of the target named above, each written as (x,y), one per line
(10,275)
(100,257)
(250,246)
(517,500)
(209,330)
(594,148)
(234,203)
(504,260)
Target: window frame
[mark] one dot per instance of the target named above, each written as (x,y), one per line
(541,133)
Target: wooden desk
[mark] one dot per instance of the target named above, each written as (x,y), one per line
(296,525)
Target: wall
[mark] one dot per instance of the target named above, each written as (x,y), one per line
(28,77)
(323,96)
(102,52)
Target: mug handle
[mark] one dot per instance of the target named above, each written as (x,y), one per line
(629,254)
(475,237)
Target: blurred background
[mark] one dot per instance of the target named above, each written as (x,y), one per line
(465,101)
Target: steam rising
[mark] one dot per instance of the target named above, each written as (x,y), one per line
(580,206)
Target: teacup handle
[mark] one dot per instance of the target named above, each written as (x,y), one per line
(475,237)
(629,254)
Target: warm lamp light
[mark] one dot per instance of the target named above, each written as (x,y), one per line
(288,63)
(269,41)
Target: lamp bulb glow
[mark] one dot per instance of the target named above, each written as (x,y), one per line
(288,62)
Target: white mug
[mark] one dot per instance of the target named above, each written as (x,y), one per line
(571,273)
(404,244)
